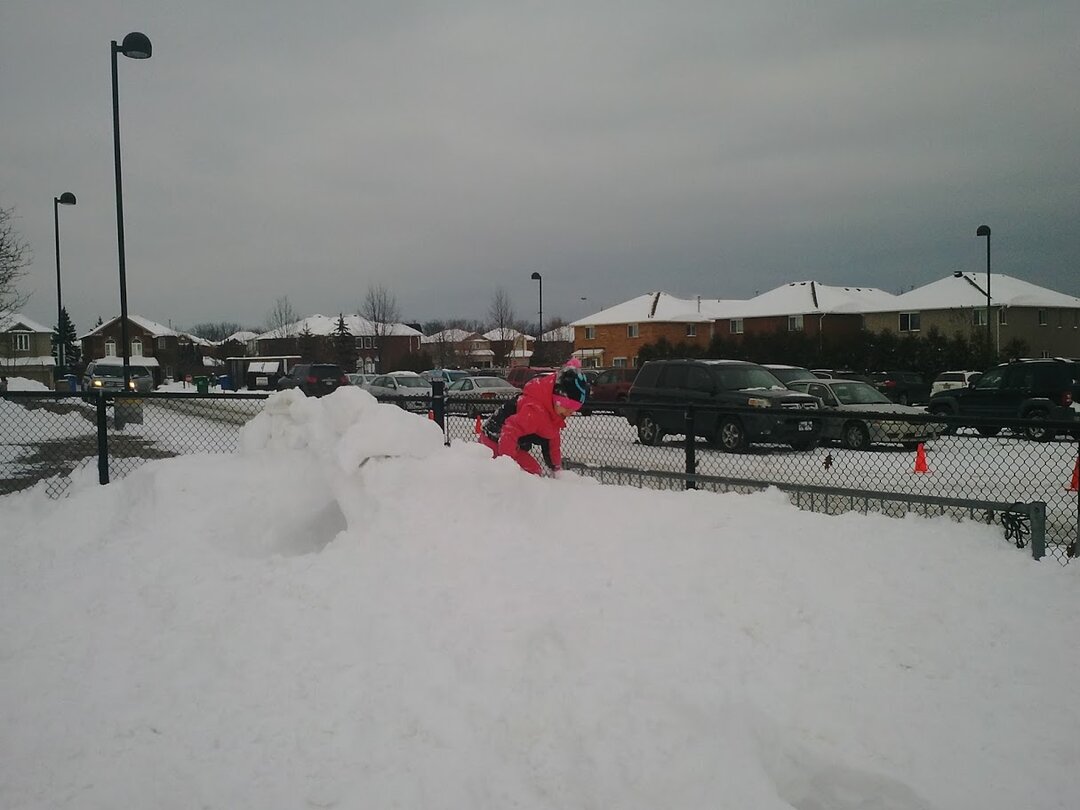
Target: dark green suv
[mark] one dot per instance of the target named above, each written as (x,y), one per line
(740,404)
(1023,389)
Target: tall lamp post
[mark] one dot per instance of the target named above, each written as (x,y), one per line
(134,46)
(540,283)
(984,230)
(67,198)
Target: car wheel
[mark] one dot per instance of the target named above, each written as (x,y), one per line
(988,432)
(805,444)
(910,445)
(648,430)
(1038,433)
(731,436)
(946,430)
(903,400)
(855,436)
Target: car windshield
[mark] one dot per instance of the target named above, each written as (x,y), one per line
(411,382)
(739,378)
(117,372)
(491,382)
(859,393)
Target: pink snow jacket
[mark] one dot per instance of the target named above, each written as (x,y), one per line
(535,417)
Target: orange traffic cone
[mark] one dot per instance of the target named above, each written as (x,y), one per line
(431,415)
(479,426)
(1075,485)
(920,460)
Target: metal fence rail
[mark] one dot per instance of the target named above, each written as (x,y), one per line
(1026,487)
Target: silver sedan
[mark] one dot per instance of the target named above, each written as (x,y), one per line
(476,395)
(853,401)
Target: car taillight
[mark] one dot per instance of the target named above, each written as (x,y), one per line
(890,383)
(343,380)
(1066,399)
(488,395)
(311,379)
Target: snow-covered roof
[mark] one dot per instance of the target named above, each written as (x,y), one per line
(449,336)
(153,327)
(326,325)
(658,307)
(506,333)
(969,290)
(141,360)
(15,321)
(809,297)
(563,333)
(521,353)
(242,336)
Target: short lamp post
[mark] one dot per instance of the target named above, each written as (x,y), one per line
(134,46)
(67,198)
(984,230)
(540,285)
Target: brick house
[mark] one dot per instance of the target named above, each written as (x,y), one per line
(380,347)
(177,353)
(459,348)
(1048,322)
(26,349)
(510,347)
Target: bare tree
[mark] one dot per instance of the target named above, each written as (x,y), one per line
(281,318)
(215,331)
(381,308)
(501,317)
(14,259)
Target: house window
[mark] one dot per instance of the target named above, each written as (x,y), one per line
(1002,321)
(161,343)
(367,343)
(631,330)
(1042,317)
(691,330)
(20,342)
(110,347)
(590,333)
(1044,354)
(794,323)
(136,347)
(619,362)
(978,317)
(736,326)
(909,321)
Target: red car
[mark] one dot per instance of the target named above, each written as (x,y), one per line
(611,385)
(519,375)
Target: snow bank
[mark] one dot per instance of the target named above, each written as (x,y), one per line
(348,614)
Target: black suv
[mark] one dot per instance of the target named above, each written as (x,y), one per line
(776,413)
(1022,389)
(903,387)
(314,379)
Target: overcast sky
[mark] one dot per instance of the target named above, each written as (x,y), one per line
(442,149)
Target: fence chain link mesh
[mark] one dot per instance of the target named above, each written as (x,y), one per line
(971,470)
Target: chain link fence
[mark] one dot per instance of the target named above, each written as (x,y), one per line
(968,469)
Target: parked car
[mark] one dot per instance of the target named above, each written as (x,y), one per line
(314,379)
(361,380)
(788,374)
(849,400)
(1026,389)
(476,395)
(779,415)
(404,388)
(610,385)
(447,375)
(904,387)
(109,378)
(839,374)
(519,375)
(948,380)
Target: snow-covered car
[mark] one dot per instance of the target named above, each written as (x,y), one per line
(948,380)
(108,377)
(476,395)
(787,374)
(405,388)
(361,380)
(850,400)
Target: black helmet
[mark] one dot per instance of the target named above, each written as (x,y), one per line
(572,386)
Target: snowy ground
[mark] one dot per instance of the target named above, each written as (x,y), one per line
(347,614)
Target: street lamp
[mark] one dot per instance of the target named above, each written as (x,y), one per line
(67,198)
(134,46)
(540,283)
(984,230)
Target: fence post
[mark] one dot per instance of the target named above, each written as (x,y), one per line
(691,448)
(102,440)
(1037,515)
(1076,540)
(438,405)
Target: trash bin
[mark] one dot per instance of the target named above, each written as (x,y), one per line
(202,385)
(72,382)
(225,382)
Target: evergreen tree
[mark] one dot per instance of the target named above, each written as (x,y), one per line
(345,353)
(309,345)
(65,331)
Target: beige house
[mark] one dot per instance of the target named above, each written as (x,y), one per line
(459,348)
(1047,321)
(25,349)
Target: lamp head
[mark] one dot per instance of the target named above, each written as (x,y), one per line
(136,46)
(67,198)
(984,230)
(958,274)
(535,276)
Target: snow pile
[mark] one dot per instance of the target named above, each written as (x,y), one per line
(25,384)
(348,614)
